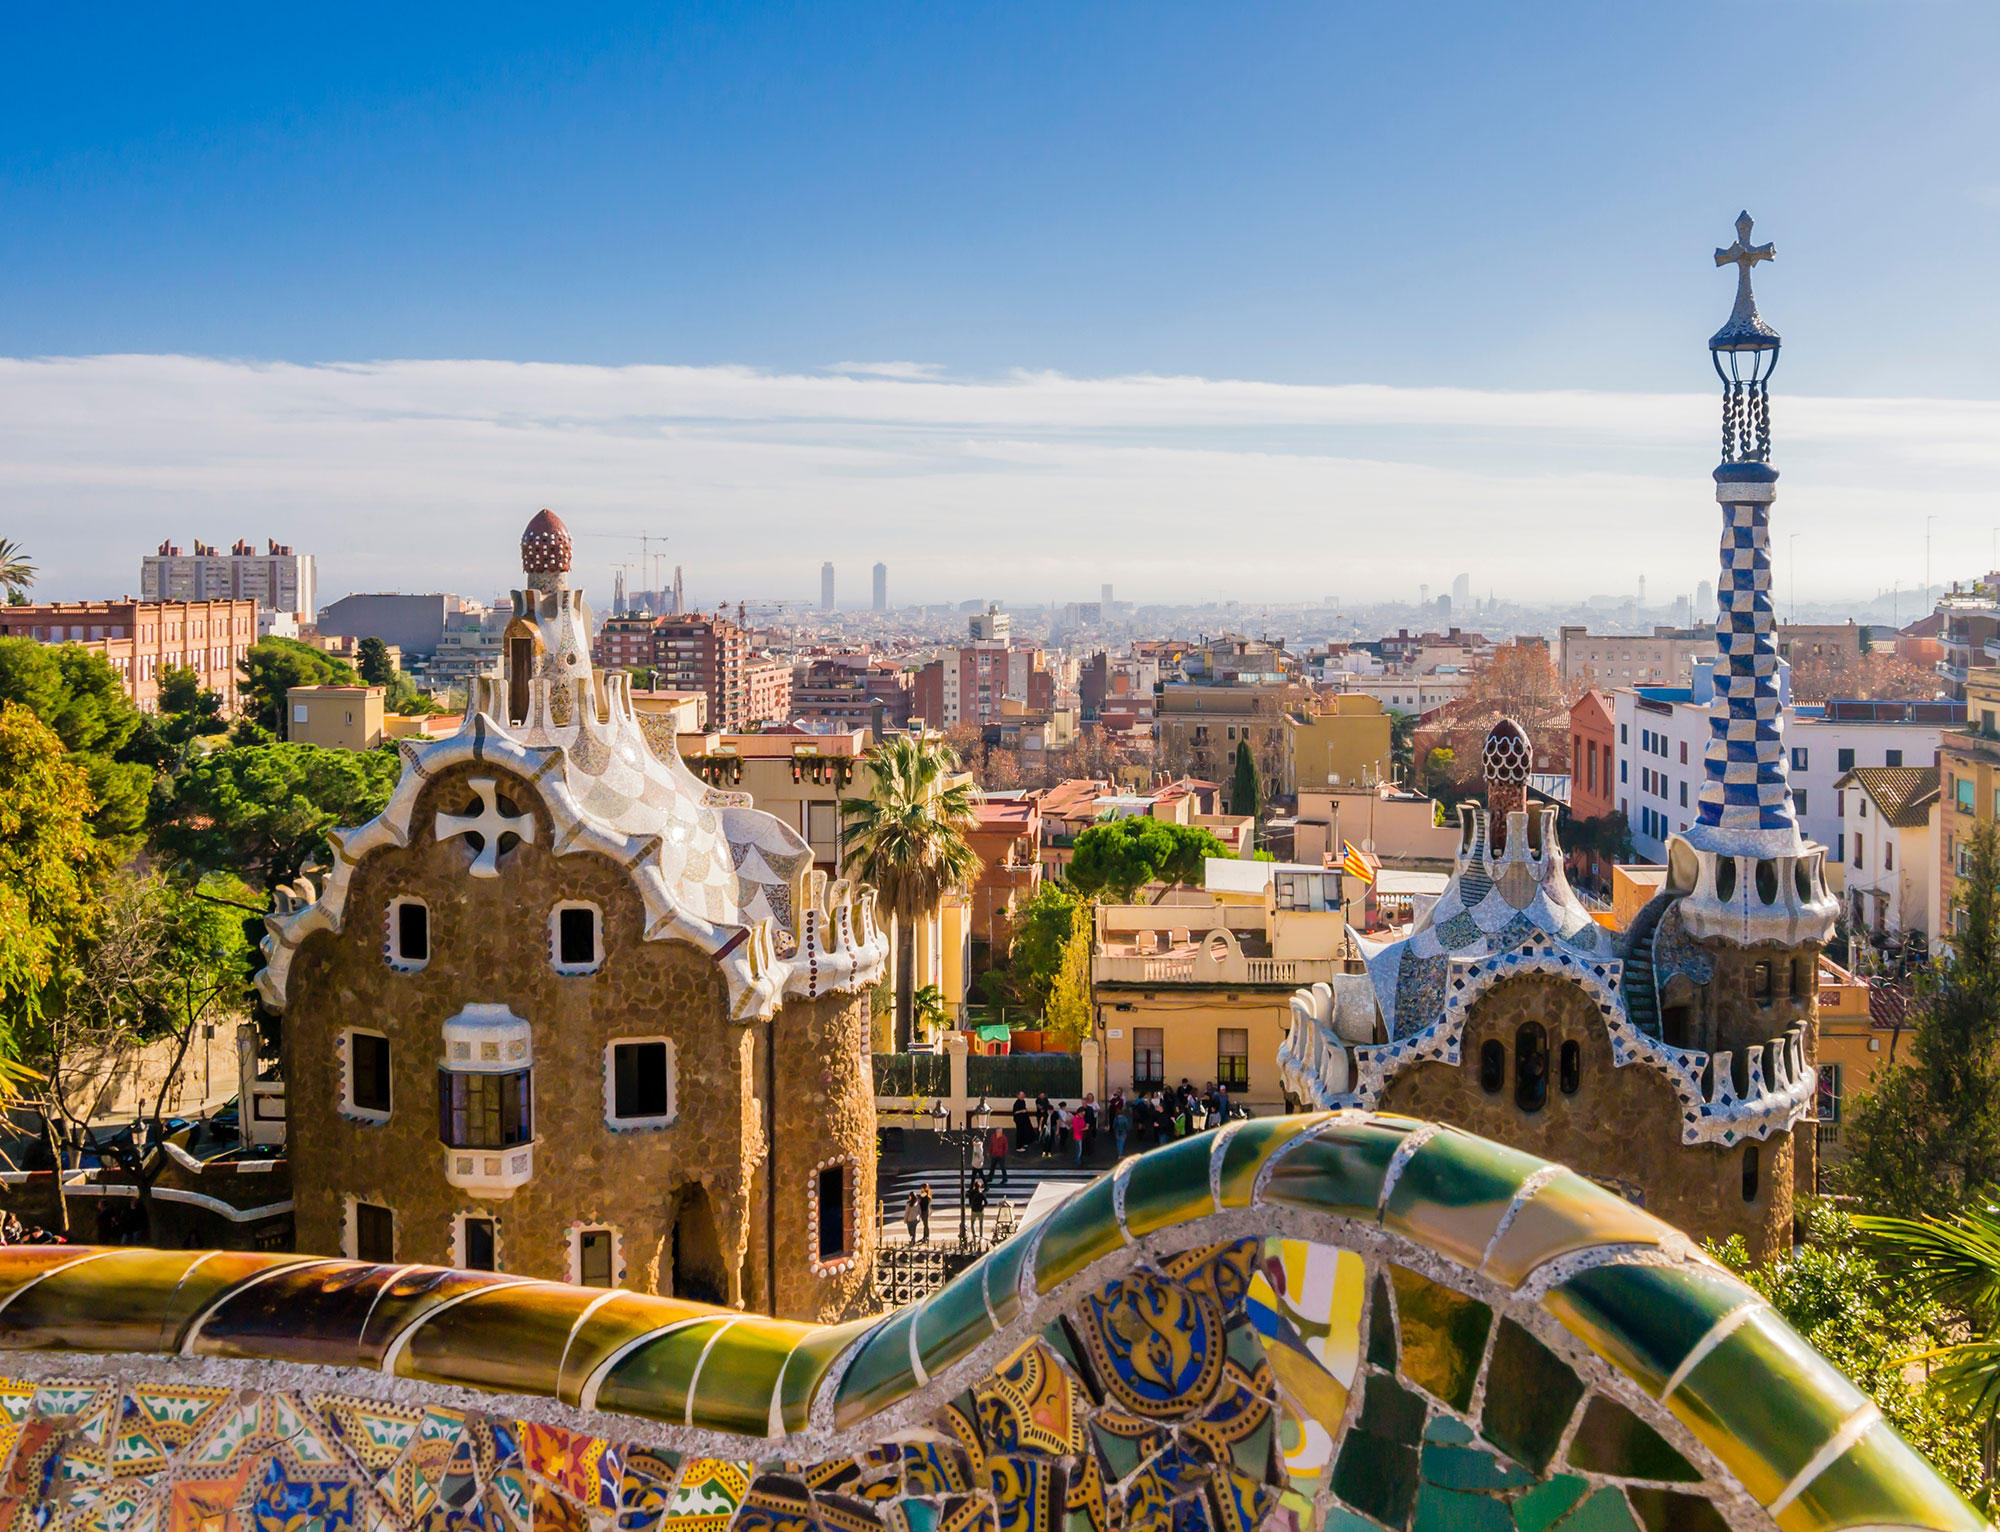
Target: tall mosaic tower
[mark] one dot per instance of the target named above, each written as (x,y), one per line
(1757,878)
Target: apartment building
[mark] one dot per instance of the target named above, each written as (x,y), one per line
(1889,830)
(1416,693)
(140,639)
(415,624)
(1969,791)
(1969,632)
(767,691)
(279,579)
(845,691)
(972,683)
(1664,657)
(1592,764)
(698,652)
(1662,744)
(1343,741)
(1199,727)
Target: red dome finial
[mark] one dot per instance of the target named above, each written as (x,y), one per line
(545,546)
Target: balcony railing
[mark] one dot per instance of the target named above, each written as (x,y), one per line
(1200,968)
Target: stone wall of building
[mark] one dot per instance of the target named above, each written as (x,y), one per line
(1621,1127)
(490,942)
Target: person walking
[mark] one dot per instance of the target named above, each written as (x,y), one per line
(1222,1103)
(924,1208)
(1042,1110)
(910,1216)
(1058,1130)
(1090,1115)
(1079,1125)
(1121,1125)
(996,1157)
(975,1200)
(1024,1122)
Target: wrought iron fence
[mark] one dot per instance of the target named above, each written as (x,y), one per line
(1004,1074)
(912,1074)
(906,1273)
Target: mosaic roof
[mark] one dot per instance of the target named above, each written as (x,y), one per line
(1337,1322)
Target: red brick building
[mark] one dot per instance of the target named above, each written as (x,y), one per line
(698,653)
(767,691)
(1592,742)
(142,638)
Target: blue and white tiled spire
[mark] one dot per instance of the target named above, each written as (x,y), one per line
(1746,802)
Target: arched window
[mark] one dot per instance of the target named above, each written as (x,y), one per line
(1492,1065)
(1531,1067)
(1749,1172)
(1569,1067)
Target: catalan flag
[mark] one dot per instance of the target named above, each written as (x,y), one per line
(1355,863)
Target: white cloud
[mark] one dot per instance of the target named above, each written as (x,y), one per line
(1033,485)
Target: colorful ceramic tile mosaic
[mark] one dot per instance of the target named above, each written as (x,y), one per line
(1338,1323)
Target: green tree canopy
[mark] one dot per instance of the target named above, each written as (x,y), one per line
(1927,1135)
(372,660)
(1069,1006)
(273,666)
(1042,926)
(262,812)
(76,693)
(46,853)
(1123,856)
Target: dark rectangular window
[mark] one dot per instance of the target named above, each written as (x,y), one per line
(369,1060)
(1232,1057)
(593,1258)
(832,1212)
(576,937)
(413,932)
(639,1079)
(374,1233)
(1893,758)
(484,1111)
(1149,1058)
(1845,760)
(480,1245)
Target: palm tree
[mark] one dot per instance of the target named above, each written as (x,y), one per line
(1956,1260)
(908,839)
(16,573)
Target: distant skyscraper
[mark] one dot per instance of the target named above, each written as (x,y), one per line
(1461,592)
(826,586)
(1104,595)
(1704,600)
(881,587)
(680,602)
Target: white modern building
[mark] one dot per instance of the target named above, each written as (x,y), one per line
(1418,694)
(279,578)
(1889,843)
(1662,744)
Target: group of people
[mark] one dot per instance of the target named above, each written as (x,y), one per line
(1156,1117)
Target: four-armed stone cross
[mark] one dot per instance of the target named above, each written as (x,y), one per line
(489,824)
(1744,255)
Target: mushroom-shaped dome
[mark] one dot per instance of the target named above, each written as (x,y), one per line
(545,546)
(1507,756)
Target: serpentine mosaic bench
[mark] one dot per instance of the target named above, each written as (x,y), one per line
(1344,1321)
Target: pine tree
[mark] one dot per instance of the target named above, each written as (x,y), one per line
(1927,1135)
(1245,792)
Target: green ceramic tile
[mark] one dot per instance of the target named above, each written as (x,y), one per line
(952,1321)
(1082,1230)
(1376,1471)
(809,1364)
(653,1380)
(1168,1185)
(1121,1454)
(1249,1146)
(1382,1327)
(880,1374)
(1604,1511)
(1453,1191)
(1764,1402)
(1539,1509)
(1444,1336)
(1346,1521)
(1666,1510)
(1565,1215)
(1612,1440)
(1879,1481)
(1468,1468)
(1644,1320)
(1448,1510)
(1003,1278)
(1530,1395)
(1450,1430)
(1341,1171)
(510,1340)
(131,1299)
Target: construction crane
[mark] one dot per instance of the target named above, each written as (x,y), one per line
(648,567)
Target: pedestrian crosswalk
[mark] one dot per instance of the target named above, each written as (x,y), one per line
(894,1185)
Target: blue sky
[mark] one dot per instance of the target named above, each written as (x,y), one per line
(1495,198)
